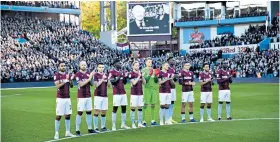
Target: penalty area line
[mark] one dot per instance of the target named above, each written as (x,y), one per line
(246,119)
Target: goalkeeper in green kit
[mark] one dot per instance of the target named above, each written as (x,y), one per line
(150,90)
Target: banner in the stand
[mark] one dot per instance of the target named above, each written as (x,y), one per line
(124,47)
(226,49)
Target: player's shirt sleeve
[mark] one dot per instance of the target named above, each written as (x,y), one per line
(95,78)
(77,77)
(218,75)
(201,77)
(160,75)
(56,77)
(130,76)
(192,76)
(181,78)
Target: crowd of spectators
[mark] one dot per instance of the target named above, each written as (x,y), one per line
(50,41)
(184,19)
(253,35)
(246,64)
(47,41)
(253,14)
(50,4)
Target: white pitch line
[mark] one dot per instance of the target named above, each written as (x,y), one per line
(248,119)
(26,88)
(10,95)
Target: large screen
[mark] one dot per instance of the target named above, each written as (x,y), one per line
(145,19)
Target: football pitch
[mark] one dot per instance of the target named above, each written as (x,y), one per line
(28,115)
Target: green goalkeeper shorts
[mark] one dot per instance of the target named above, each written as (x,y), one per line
(150,96)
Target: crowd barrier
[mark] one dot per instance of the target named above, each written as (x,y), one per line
(50,83)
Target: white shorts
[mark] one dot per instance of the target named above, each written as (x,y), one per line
(136,100)
(173,94)
(100,103)
(63,106)
(120,100)
(187,97)
(206,97)
(84,104)
(165,98)
(224,95)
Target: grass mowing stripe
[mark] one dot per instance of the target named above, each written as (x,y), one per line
(3,96)
(246,119)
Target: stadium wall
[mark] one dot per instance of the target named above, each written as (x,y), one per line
(51,84)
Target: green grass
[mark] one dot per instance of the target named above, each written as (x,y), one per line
(30,117)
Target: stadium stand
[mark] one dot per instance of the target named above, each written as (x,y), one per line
(50,4)
(47,41)
(30,49)
(253,35)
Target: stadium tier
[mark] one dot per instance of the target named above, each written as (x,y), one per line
(30,53)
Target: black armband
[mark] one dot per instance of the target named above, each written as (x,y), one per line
(156,80)
(124,80)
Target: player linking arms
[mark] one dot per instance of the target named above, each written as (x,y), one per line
(187,82)
(100,97)
(165,93)
(136,99)
(205,79)
(150,97)
(63,103)
(118,79)
(224,79)
(84,80)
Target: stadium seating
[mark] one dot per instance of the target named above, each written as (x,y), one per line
(36,59)
(253,35)
(50,4)
(47,41)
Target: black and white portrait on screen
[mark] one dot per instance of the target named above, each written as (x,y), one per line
(148,19)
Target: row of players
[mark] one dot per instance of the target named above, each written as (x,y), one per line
(143,93)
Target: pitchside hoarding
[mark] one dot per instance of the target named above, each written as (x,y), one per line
(144,19)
